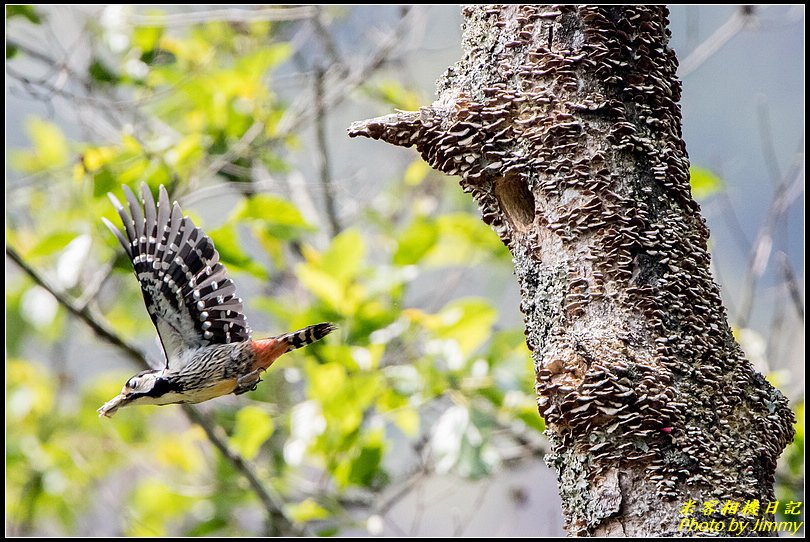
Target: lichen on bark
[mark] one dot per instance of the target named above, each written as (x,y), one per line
(563,123)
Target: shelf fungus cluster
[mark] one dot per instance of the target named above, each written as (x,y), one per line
(563,123)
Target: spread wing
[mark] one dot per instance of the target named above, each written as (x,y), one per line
(187,293)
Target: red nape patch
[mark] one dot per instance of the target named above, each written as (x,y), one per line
(268,351)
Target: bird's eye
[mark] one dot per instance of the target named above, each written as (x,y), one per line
(133,383)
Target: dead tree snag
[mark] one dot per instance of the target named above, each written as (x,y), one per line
(563,123)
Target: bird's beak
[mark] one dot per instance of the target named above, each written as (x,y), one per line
(109,408)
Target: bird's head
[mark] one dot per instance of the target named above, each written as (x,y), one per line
(146,387)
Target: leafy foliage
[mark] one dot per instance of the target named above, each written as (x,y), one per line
(704,182)
(328,420)
(23,10)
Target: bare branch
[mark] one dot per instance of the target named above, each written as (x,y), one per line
(301,112)
(278,522)
(86,314)
(327,187)
(325,37)
(700,54)
(786,193)
(273,504)
(234,152)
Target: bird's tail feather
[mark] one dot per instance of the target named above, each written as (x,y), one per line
(307,335)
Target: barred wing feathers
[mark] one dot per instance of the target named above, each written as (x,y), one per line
(191,300)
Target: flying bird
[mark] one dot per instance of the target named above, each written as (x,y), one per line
(193,304)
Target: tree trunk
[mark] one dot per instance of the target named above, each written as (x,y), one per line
(564,125)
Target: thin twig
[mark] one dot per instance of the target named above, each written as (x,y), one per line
(222,189)
(733,222)
(301,112)
(235,151)
(43,90)
(792,285)
(700,54)
(325,37)
(96,284)
(62,67)
(692,27)
(766,139)
(85,314)
(272,503)
(407,487)
(233,15)
(461,526)
(54,66)
(327,187)
(783,198)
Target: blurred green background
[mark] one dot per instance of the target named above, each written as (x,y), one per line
(418,417)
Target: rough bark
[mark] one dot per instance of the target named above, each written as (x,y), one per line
(563,123)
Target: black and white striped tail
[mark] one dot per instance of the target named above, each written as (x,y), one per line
(308,335)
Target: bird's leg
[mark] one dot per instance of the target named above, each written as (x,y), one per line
(247,382)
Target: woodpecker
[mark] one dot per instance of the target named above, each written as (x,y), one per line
(193,304)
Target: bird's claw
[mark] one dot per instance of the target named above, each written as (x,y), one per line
(247,383)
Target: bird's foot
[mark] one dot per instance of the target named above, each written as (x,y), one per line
(248,382)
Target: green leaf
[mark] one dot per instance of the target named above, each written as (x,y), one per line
(104,180)
(365,466)
(533,419)
(50,148)
(99,72)
(704,182)
(181,451)
(464,239)
(51,243)
(256,64)
(393,93)
(38,387)
(17,330)
(325,380)
(407,420)
(467,321)
(307,510)
(94,158)
(416,172)
(207,527)
(186,153)
(344,396)
(327,289)
(253,427)
(147,38)
(415,242)
(155,504)
(277,216)
(23,10)
(344,257)
(11,50)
